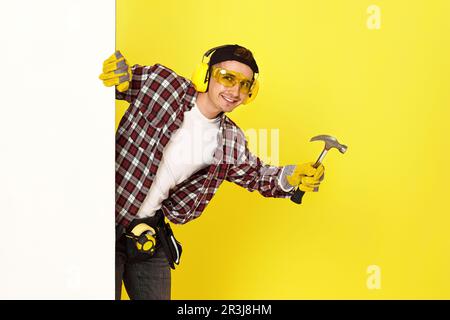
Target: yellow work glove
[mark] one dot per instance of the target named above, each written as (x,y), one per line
(306,177)
(116,72)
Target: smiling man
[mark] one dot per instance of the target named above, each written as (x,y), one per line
(175,145)
(231,81)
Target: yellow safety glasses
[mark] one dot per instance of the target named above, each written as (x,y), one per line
(230,78)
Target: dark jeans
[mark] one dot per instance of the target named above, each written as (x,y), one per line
(144,280)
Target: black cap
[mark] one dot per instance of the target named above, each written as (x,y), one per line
(234,52)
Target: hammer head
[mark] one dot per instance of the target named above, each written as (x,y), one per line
(330,142)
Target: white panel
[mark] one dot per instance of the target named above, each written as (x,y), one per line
(56,150)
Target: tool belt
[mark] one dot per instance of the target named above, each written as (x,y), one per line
(143,237)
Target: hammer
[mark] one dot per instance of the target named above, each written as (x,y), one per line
(330,142)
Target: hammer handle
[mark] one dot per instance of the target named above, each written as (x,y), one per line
(298,194)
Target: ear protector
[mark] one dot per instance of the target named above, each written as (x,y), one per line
(144,237)
(201,75)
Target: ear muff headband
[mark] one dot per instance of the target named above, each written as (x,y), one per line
(200,77)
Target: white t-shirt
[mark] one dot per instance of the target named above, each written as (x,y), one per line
(190,149)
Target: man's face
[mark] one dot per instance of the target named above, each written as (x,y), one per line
(227,98)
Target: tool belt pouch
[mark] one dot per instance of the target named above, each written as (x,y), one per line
(170,245)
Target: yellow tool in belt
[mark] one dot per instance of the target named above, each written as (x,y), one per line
(144,235)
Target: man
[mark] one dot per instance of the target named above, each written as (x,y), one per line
(175,145)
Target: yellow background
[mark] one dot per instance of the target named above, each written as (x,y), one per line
(384,92)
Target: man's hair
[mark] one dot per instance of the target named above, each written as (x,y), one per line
(234,52)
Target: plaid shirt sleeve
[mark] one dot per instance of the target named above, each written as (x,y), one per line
(139,75)
(251,173)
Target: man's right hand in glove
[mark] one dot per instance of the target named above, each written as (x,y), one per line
(306,177)
(116,72)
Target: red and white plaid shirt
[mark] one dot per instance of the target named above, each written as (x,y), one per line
(158,99)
